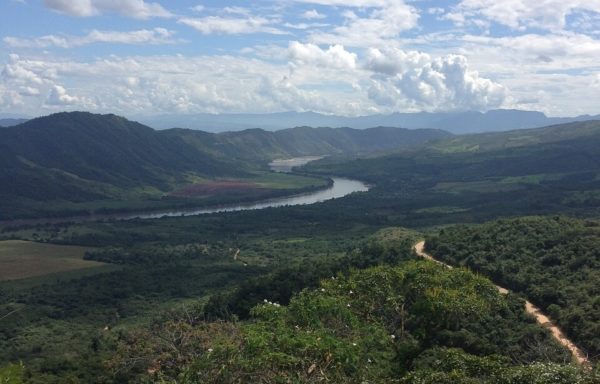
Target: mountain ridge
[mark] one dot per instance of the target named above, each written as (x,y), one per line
(454,122)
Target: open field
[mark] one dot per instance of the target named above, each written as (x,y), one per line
(23,259)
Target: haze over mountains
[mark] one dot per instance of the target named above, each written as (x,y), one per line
(454,122)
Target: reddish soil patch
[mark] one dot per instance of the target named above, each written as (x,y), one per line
(216,187)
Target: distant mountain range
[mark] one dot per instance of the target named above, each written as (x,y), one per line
(454,122)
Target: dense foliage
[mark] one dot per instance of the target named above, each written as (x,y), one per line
(554,261)
(374,325)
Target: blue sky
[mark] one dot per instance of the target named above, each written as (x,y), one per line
(346,57)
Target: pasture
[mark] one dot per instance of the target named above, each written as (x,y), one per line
(24,259)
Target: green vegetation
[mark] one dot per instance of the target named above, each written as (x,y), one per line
(57,325)
(553,261)
(77,164)
(372,325)
(481,177)
(174,288)
(12,374)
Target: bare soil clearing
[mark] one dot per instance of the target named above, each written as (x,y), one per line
(531,309)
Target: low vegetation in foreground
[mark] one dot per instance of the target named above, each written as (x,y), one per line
(417,322)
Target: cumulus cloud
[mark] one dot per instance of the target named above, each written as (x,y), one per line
(521,14)
(333,57)
(381,80)
(443,83)
(143,36)
(231,25)
(165,84)
(138,9)
(58,96)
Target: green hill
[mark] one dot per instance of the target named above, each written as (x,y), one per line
(479,177)
(259,145)
(62,163)
(78,157)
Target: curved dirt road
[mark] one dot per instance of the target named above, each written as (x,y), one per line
(540,317)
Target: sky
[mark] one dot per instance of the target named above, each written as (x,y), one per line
(343,57)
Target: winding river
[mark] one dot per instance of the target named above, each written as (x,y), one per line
(339,188)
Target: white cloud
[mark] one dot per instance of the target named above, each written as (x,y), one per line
(144,36)
(231,25)
(166,84)
(521,14)
(312,14)
(309,54)
(237,11)
(385,20)
(304,26)
(29,91)
(519,55)
(138,9)
(58,96)
(443,83)
(348,3)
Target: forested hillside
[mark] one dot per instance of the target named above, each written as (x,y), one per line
(77,157)
(479,177)
(554,261)
(259,145)
(81,157)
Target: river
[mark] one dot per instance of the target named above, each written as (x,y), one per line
(340,187)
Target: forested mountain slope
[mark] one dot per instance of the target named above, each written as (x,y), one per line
(478,177)
(81,157)
(259,145)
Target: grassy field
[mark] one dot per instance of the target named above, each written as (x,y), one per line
(24,259)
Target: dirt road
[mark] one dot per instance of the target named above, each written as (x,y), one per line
(539,316)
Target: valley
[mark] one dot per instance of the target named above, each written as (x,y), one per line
(206,273)
(299,192)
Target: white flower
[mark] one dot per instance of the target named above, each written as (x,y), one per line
(322,289)
(393,336)
(354,344)
(210,350)
(351,292)
(265,301)
(348,305)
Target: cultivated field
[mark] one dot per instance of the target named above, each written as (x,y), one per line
(23,259)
